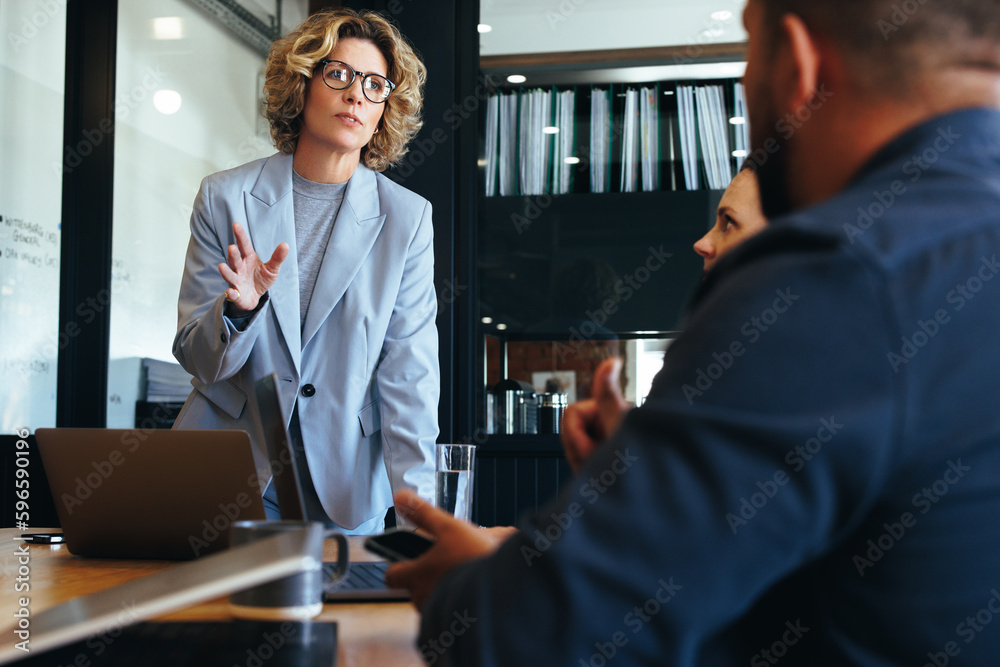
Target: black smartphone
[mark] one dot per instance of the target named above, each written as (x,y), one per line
(42,538)
(398,544)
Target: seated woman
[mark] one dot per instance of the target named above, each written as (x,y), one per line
(738,218)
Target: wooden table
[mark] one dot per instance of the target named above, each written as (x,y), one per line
(369,633)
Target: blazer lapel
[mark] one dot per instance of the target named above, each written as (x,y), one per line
(354,232)
(270,221)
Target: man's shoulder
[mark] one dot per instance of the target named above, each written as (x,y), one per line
(787,244)
(934,186)
(902,236)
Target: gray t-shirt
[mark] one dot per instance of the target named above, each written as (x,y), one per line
(316,206)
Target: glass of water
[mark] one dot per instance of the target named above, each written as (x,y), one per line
(455,465)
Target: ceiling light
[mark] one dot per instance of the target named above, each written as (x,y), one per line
(483,28)
(167,101)
(551,129)
(740,153)
(487,320)
(501,327)
(737,120)
(722,15)
(516,78)
(168,27)
(571,160)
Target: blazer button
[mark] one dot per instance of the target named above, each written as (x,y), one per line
(308,390)
(222,337)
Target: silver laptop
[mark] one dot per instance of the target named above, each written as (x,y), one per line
(158,494)
(177,587)
(365,580)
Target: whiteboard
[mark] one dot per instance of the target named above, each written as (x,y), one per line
(32,65)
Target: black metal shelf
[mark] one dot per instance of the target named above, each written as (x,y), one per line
(498,445)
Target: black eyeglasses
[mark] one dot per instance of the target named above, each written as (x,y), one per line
(338,75)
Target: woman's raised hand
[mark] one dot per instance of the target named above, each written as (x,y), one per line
(248,277)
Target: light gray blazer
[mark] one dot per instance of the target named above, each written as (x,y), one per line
(368,347)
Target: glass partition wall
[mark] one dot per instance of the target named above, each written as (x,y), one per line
(594,186)
(32,73)
(187,105)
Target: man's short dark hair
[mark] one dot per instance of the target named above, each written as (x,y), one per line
(891,42)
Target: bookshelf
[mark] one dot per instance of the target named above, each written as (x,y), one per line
(616,137)
(607,270)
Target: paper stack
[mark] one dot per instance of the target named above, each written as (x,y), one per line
(492,136)
(649,134)
(600,139)
(165,382)
(508,144)
(713,130)
(562,171)
(535,143)
(689,138)
(630,142)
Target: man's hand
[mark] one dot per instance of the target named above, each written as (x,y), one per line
(456,542)
(588,423)
(248,277)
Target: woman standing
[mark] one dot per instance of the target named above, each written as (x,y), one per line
(344,309)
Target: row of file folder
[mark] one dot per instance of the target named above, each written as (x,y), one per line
(532,148)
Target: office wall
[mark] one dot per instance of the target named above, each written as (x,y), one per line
(32,55)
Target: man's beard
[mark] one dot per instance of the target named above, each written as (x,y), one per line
(772,169)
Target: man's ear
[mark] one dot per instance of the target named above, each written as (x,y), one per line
(803,62)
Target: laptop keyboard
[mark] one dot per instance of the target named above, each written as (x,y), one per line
(361,576)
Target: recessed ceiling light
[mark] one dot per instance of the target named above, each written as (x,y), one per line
(737,120)
(167,101)
(501,327)
(484,28)
(722,15)
(487,320)
(740,153)
(516,78)
(168,27)
(551,129)
(571,160)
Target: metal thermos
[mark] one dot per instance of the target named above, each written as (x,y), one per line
(518,410)
(550,412)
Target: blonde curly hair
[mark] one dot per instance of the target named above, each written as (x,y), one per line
(292,62)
